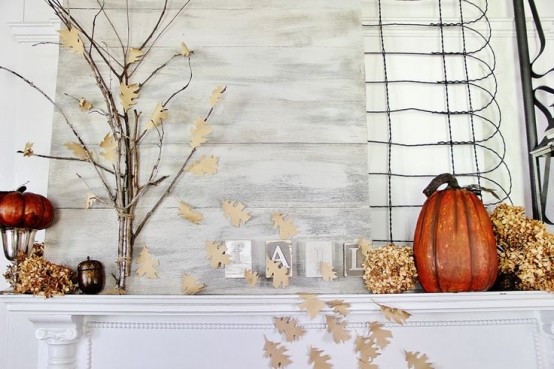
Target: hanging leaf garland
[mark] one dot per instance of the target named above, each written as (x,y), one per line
(417,360)
(327,272)
(311,303)
(277,353)
(216,254)
(340,307)
(319,360)
(236,212)
(289,328)
(286,227)
(191,285)
(394,315)
(278,272)
(337,327)
(251,277)
(379,335)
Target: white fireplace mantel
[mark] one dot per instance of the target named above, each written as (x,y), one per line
(492,329)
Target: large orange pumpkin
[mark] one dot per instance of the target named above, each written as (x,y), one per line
(454,245)
(19,209)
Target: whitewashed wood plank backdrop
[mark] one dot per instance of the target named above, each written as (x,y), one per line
(290,133)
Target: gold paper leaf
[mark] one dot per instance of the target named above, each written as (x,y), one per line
(216,254)
(186,212)
(271,267)
(394,315)
(380,335)
(109,147)
(327,271)
(287,229)
(235,211)
(216,95)
(319,360)
(251,277)
(90,200)
(147,264)
(185,51)
(205,165)
(312,304)
(364,364)
(128,95)
(337,327)
(71,39)
(288,327)
(365,246)
(84,105)
(134,55)
(78,150)
(158,116)
(279,273)
(366,347)
(28,149)
(417,360)
(339,306)
(200,129)
(277,354)
(191,285)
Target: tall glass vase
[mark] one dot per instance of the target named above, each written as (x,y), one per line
(16,242)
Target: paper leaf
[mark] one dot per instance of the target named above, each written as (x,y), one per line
(84,105)
(205,165)
(287,229)
(251,278)
(71,39)
(312,304)
(416,360)
(380,335)
(363,364)
(276,353)
(235,211)
(128,94)
(288,327)
(90,200)
(279,273)
(216,95)
(319,360)
(134,55)
(147,264)
(271,267)
(28,149)
(337,327)
(366,348)
(109,147)
(216,254)
(191,285)
(340,306)
(200,129)
(158,116)
(327,271)
(394,315)
(185,51)
(78,150)
(365,246)
(186,212)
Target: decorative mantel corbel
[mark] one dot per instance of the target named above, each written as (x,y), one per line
(61,333)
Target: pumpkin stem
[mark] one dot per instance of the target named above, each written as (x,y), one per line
(22,189)
(438,181)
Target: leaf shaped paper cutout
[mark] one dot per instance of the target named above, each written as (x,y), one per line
(280,274)
(216,95)
(200,129)
(78,150)
(380,335)
(366,348)
(147,264)
(417,360)
(84,105)
(277,354)
(236,212)
(319,360)
(28,149)
(251,277)
(109,147)
(394,315)
(90,200)
(207,164)
(287,229)
(337,327)
(71,39)
(128,95)
(271,267)
(185,51)
(216,254)
(288,327)
(363,364)
(365,246)
(191,285)
(327,271)
(340,306)
(158,116)
(134,55)
(186,212)
(312,304)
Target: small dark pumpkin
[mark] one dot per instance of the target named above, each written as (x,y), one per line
(20,209)
(91,276)
(454,245)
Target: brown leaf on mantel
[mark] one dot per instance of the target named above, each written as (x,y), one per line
(216,254)
(339,306)
(394,315)
(337,327)
(288,327)
(312,304)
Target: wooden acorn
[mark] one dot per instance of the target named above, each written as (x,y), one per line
(91,276)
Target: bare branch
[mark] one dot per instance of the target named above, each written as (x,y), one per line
(183,88)
(69,159)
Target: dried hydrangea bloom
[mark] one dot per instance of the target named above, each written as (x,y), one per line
(390,269)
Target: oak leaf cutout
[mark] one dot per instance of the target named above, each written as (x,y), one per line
(277,353)
(271,267)
(340,307)
(109,147)
(28,149)
(185,51)
(71,39)
(205,165)
(280,274)
(312,304)
(90,200)
(236,212)
(78,150)
(365,246)
(394,315)
(198,132)
(337,327)
(134,55)
(366,348)
(186,212)
(216,95)
(216,254)
(147,264)
(380,335)
(417,360)
(251,277)
(327,271)
(158,116)
(287,229)
(191,285)
(319,360)
(84,104)
(288,327)
(364,364)
(128,94)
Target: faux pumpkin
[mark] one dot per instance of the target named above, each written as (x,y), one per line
(454,245)
(20,209)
